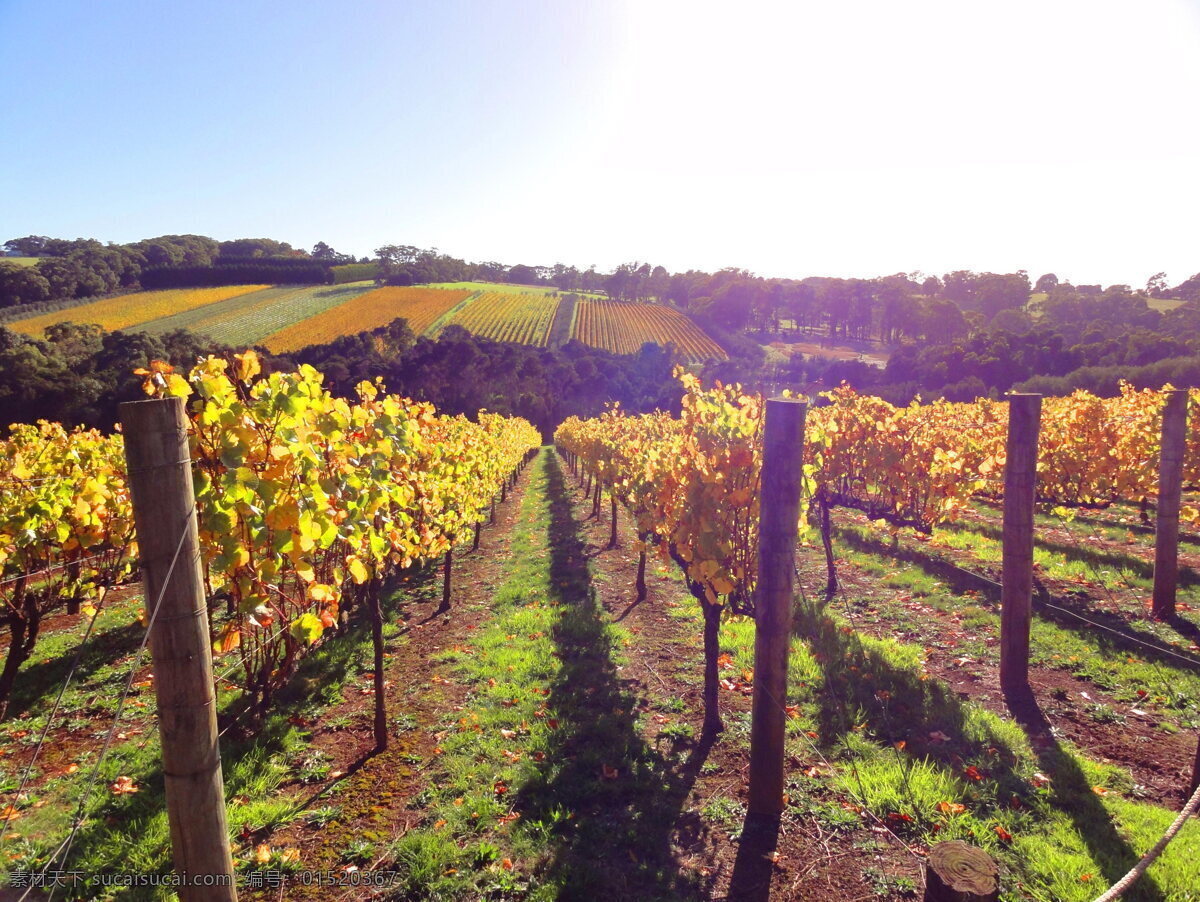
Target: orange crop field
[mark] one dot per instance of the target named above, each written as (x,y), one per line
(523,318)
(623,327)
(420,306)
(133,309)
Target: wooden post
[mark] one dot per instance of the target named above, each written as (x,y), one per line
(1195,773)
(641,575)
(612,534)
(381,735)
(1170,491)
(446,573)
(1020,489)
(160,482)
(957,872)
(475,541)
(778,522)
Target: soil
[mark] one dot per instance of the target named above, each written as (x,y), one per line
(375,791)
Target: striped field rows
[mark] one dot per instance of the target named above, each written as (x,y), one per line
(506,316)
(623,328)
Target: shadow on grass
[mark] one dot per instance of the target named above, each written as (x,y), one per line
(1095,558)
(1112,631)
(40,681)
(614,802)
(121,831)
(897,705)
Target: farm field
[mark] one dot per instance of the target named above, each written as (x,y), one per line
(508,316)
(553,723)
(20,261)
(623,327)
(129,310)
(247,319)
(422,307)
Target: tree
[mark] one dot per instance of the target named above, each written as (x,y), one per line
(62,275)
(29,246)
(322,251)
(734,303)
(1156,285)
(522,274)
(1046,283)
(21,285)
(241,248)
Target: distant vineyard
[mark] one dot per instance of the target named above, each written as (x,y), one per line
(420,306)
(133,309)
(249,318)
(623,328)
(505,316)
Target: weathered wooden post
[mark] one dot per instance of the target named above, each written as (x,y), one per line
(447,570)
(1020,491)
(957,872)
(1195,773)
(160,482)
(1170,492)
(778,527)
(374,588)
(612,534)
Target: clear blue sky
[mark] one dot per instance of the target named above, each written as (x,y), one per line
(789,138)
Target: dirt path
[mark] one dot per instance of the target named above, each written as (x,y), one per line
(375,793)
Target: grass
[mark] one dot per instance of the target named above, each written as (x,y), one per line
(547,789)
(1163,304)
(127,833)
(874,732)
(511,288)
(1128,671)
(21,261)
(246,320)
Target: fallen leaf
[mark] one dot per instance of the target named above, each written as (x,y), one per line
(124,786)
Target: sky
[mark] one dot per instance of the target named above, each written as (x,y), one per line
(790,139)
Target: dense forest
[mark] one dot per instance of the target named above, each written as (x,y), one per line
(959,335)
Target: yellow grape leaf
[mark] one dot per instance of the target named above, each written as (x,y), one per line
(357,569)
(177,387)
(248,365)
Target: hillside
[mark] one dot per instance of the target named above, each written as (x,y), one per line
(285,318)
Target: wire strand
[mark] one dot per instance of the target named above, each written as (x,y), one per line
(90,783)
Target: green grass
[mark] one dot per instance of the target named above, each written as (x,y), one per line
(21,261)
(245,320)
(1163,304)
(508,286)
(870,720)
(1129,672)
(550,735)
(129,833)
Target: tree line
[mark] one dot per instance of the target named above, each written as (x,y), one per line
(68,270)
